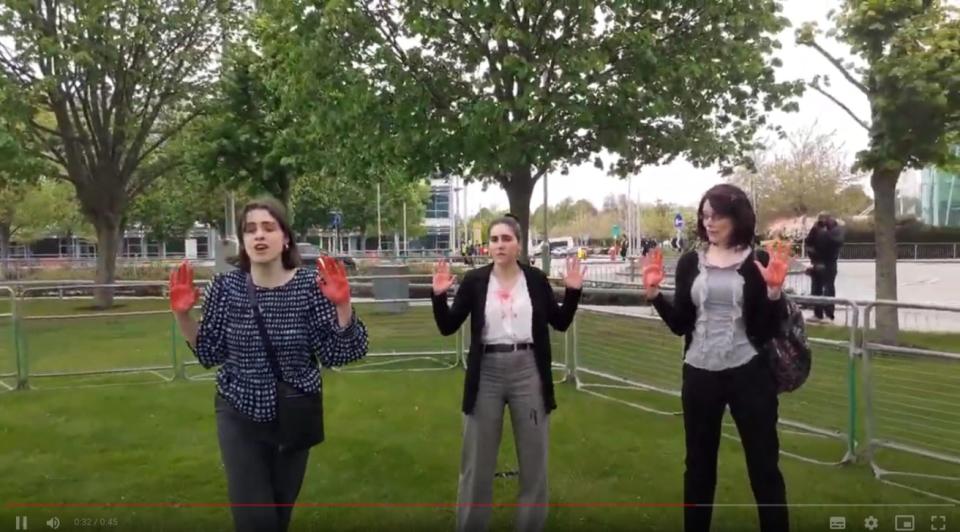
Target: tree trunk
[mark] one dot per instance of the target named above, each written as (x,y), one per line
(884,183)
(108,243)
(518,185)
(4,249)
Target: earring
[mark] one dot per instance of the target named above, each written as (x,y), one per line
(286,247)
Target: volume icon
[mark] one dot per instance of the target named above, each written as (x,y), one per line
(53,522)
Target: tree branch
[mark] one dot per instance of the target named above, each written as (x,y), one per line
(839,66)
(148,176)
(398,52)
(164,137)
(841,105)
(22,75)
(494,71)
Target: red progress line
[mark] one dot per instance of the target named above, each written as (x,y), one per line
(344,505)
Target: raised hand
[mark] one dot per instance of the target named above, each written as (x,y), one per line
(775,272)
(183,295)
(573,278)
(652,272)
(442,279)
(332,280)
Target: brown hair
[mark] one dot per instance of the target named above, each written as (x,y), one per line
(290,255)
(510,221)
(731,202)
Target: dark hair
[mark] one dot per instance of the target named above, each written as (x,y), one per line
(510,221)
(731,202)
(290,255)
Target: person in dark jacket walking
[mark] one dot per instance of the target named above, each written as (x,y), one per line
(823,244)
(510,306)
(727,304)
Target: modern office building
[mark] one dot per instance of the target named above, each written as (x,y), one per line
(939,197)
(440,217)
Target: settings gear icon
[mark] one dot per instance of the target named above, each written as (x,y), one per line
(871,523)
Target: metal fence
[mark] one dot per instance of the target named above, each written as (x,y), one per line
(911,393)
(905,251)
(9,359)
(895,398)
(59,333)
(53,336)
(899,400)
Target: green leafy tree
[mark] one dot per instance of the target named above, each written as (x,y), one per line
(483,217)
(810,176)
(173,204)
(31,210)
(247,142)
(120,79)
(315,197)
(910,75)
(505,93)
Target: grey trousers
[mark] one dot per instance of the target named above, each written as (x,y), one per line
(506,379)
(257,472)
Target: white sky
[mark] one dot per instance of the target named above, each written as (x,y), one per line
(680,182)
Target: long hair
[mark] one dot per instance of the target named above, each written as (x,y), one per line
(290,255)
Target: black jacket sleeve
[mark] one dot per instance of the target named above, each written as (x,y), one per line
(450,319)
(681,314)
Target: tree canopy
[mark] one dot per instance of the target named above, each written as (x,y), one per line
(507,92)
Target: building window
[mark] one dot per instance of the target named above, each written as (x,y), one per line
(439,204)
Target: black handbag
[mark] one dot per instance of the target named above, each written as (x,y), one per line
(299,414)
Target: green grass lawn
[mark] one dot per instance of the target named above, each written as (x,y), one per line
(394,437)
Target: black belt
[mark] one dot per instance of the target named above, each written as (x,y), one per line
(505,348)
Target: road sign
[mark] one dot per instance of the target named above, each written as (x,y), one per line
(678,221)
(616,231)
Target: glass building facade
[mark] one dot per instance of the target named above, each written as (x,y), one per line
(939,198)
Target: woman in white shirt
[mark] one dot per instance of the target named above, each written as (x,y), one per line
(510,305)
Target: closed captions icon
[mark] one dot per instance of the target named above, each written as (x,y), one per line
(938,523)
(838,523)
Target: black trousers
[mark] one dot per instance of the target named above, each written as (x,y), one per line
(823,283)
(750,392)
(257,472)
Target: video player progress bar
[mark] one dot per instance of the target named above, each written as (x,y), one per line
(454,504)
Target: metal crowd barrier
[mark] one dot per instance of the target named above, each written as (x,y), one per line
(53,340)
(631,349)
(910,390)
(911,397)
(10,362)
(626,354)
(397,341)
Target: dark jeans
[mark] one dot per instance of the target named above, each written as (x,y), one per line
(750,392)
(823,283)
(257,471)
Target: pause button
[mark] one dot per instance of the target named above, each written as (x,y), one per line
(21,522)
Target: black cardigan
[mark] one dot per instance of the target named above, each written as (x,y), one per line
(471,298)
(761,315)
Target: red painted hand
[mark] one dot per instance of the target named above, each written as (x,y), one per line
(652,272)
(332,280)
(183,295)
(775,272)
